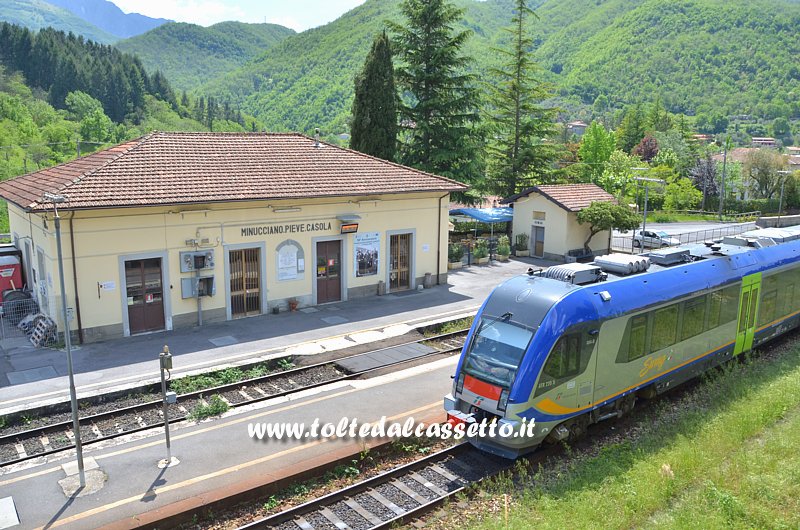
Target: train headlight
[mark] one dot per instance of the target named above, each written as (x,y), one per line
(502,403)
(460,383)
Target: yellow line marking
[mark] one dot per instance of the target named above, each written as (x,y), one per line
(256,353)
(31,475)
(221,472)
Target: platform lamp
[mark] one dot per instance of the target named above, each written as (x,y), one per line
(647,181)
(56,200)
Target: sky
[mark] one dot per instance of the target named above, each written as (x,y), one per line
(298,15)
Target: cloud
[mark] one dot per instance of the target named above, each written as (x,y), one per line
(202,12)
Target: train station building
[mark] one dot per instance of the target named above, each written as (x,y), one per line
(548,214)
(175,229)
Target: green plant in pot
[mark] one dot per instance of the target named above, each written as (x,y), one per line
(454,254)
(521,245)
(503,248)
(481,251)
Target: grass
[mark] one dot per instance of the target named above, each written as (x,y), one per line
(214,407)
(195,383)
(448,327)
(731,458)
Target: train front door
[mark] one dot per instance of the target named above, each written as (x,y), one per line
(748,309)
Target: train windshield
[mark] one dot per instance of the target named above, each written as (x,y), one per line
(496,350)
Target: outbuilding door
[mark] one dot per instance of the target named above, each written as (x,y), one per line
(329,271)
(245,285)
(537,237)
(145,295)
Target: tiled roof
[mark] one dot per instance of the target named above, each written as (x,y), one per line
(571,197)
(183,168)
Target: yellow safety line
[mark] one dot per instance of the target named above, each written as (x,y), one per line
(221,472)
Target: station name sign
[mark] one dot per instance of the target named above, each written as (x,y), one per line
(293,228)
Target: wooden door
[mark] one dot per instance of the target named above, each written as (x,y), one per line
(145,294)
(245,285)
(329,271)
(538,241)
(400,262)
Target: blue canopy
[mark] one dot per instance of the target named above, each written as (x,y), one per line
(486,215)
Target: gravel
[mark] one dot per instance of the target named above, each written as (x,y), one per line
(290,525)
(33,446)
(418,488)
(397,496)
(438,479)
(373,506)
(471,476)
(346,514)
(320,522)
(8,452)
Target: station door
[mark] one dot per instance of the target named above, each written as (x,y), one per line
(245,285)
(400,262)
(145,294)
(329,271)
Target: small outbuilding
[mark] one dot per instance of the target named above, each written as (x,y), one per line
(176,229)
(548,214)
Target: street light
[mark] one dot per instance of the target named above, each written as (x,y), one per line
(646,181)
(780,201)
(56,200)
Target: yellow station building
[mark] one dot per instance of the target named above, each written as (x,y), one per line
(175,229)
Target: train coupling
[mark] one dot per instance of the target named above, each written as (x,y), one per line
(454,417)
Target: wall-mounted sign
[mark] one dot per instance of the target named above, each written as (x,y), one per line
(350,228)
(108,286)
(367,253)
(292,228)
(291,261)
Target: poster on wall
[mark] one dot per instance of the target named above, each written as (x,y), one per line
(367,251)
(287,263)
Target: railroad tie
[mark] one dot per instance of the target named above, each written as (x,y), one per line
(303,524)
(20,450)
(360,510)
(45,442)
(96,431)
(245,395)
(386,502)
(428,484)
(258,389)
(419,499)
(465,469)
(333,518)
(445,473)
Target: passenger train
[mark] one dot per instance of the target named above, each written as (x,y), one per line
(576,344)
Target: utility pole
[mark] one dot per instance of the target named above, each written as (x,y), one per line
(725,148)
(783,175)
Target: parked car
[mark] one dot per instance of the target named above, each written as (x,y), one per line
(648,239)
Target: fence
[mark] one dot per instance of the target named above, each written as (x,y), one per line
(624,243)
(20,319)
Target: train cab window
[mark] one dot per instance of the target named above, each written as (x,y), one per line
(665,327)
(496,350)
(568,359)
(694,317)
(634,342)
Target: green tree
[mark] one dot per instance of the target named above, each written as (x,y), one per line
(760,170)
(439,106)
(517,156)
(632,129)
(374,127)
(96,127)
(658,118)
(601,216)
(682,195)
(597,145)
(618,175)
(80,104)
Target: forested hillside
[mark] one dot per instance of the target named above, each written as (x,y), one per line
(698,56)
(107,16)
(191,54)
(38,14)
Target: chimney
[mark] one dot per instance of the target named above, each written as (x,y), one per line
(316,137)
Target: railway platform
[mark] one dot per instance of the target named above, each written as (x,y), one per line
(34,377)
(218,458)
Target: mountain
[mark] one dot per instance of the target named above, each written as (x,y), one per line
(723,56)
(38,14)
(189,54)
(108,17)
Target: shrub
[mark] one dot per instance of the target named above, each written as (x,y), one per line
(215,407)
(481,249)
(503,246)
(454,252)
(521,241)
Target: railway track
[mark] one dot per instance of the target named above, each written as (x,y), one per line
(393,497)
(51,439)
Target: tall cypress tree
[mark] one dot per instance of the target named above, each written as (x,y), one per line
(440,101)
(518,158)
(374,127)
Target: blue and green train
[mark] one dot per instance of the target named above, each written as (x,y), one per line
(578,344)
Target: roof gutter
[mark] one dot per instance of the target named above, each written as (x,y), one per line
(439,242)
(75,276)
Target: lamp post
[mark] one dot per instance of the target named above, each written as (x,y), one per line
(647,182)
(56,200)
(783,174)
(725,147)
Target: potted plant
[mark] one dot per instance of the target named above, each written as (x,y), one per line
(454,254)
(293,303)
(503,248)
(481,251)
(521,245)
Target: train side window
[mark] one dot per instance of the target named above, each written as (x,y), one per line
(665,327)
(694,317)
(788,299)
(634,342)
(769,300)
(730,303)
(564,360)
(714,307)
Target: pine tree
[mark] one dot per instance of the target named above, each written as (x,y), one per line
(439,109)
(632,129)
(518,158)
(374,127)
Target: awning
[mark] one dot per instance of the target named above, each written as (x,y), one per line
(487,215)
